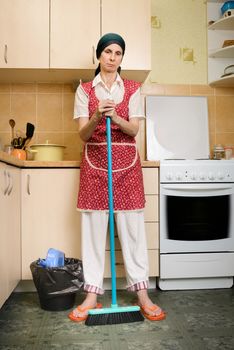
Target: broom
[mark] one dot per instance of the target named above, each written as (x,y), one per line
(114,314)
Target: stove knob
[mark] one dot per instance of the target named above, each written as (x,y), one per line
(220,176)
(169,176)
(193,176)
(179,176)
(202,176)
(211,176)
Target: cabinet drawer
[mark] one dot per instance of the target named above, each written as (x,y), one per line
(150,177)
(120,270)
(153,255)
(152,235)
(151,208)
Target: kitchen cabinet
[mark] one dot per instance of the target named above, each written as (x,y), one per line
(116,15)
(151,225)
(219,57)
(55,40)
(24,34)
(74,36)
(10,239)
(74,33)
(49,218)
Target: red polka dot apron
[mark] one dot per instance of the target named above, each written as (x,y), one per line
(128,190)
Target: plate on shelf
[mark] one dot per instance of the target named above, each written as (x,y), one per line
(227,75)
(229,70)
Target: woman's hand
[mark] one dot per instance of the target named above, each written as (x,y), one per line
(87,126)
(106,107)
(130,127)
(114,117)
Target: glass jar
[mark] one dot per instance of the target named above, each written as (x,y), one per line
(219,152)
(8,149)
(228,152)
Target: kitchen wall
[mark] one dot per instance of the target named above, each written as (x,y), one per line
(50,108)
(179,42)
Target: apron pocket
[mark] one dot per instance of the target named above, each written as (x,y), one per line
(124,155)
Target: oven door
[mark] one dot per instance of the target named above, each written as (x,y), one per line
(196,217)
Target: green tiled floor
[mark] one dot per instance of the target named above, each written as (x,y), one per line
(199,320)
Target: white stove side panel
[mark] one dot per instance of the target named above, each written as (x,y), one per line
(177,127)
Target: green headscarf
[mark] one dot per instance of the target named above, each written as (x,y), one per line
(108,39)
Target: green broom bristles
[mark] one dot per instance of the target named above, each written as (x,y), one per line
(114,315)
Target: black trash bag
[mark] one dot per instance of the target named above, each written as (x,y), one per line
(57,286)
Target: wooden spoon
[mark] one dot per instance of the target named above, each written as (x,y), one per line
(12,125)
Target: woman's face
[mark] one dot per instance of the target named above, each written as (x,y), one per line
(111,58)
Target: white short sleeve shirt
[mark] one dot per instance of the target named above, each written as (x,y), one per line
(102,92)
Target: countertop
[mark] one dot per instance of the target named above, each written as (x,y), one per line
(6,158)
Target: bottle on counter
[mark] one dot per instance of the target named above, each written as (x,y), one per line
(219,152)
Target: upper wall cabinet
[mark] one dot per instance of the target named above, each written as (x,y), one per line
(76,26)
(132,20)
(24,39)
(61,37)
(220,56)
(75,30)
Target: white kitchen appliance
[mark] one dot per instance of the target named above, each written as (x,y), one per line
(196,196)
(196,224)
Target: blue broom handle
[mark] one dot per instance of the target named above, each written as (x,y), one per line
(111,212)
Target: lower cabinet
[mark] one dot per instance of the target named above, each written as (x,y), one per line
(38,212)
(10,239)
(151,225)
(50,219)
(49,215)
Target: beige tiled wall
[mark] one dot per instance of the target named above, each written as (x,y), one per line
(50,108)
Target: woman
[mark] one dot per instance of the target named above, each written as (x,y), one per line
(109,95)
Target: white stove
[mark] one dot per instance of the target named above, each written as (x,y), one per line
(196,195)
(196,224)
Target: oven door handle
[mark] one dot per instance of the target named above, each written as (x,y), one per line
(197,188)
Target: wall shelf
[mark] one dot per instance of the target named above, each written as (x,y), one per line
(226,23)
(227,81)
(219,57)
(224,52)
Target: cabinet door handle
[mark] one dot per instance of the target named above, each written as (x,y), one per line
(5,54)
(28,184)
(93,55)
(10,184)
(7,182)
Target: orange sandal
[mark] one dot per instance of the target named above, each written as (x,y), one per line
(80,319)
(159,317)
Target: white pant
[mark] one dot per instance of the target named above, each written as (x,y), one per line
(131,232)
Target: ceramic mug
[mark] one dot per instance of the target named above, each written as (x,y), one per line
(19,153)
